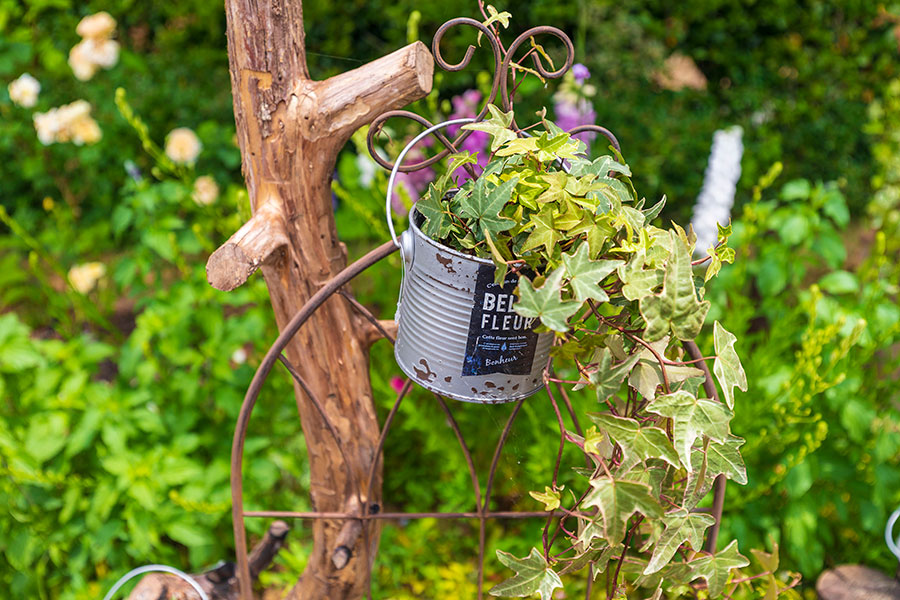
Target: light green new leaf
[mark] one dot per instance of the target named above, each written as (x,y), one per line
(727,366)
(692,417)
(592,440)
(608,378)
(769,562)
(718,256)
(647,374)
(545,232)
(639,282)
(676,307)
(715,569)
(456,161)
(545,303)
(617,500)
(484,205)
(559,146)
(533,576)
(653,212)
(584,274)
(549,497)
(681,526)
(637,443)
(497,127)
(719,459)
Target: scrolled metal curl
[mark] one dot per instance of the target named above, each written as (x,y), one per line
(502,66)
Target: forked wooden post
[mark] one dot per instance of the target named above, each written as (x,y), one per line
(290,131)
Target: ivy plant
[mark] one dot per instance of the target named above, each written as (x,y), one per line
(625,301)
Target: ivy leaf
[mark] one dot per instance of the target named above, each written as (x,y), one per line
(549,497)
(647,374)
(518,145)
(456,161)
(676,307)
(498,127)
(608,378)
(639,282)
(584,274)
(637,443)
(437,218)
(601,167)
(716,568)
(544,303)
(692,417)
(494,17)
(653,212)
(719,459)
(533,575)
(484,206)
(718,255)
(550,149)
(727,366)
(617,500)
(545,232)
(769,562)
(592,441)
(681,526)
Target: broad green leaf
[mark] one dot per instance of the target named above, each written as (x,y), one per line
(716,568)
(608,378)
(676,308)
(727,366)
(584,274)
(518,145)
(533,576)
(692,417)
(637,443)
(719,459)
(647,374)
(484,205)
(545,232)
(545,303)
(639,282)
(681,526)
(497,127)
(437,217)
(617,500)
(549,497)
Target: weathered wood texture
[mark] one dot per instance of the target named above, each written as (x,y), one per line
(290,130)
(855,582)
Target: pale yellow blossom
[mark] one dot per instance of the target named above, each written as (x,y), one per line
(98,25)
(68,123)
(679,72)
(24,90)
(183,146)
(205,190)
(89,55)
(85,277)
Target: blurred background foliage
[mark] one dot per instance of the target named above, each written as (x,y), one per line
(119,392)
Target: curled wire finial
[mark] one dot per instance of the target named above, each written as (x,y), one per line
(505,67)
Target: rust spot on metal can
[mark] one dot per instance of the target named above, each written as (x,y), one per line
(446,261)
(425,375)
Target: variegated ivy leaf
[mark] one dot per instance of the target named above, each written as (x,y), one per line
(484,205)
(456,161)
(727,366)
(598,558)
(681,526)
(545,303)
(592,441)
(617,500)
(647,375)
(549,497)
(719,459)
(639,282)
(533,576)
(716,568)
(637,443)
(718,255)
(676,308)
(545,148)
(608,378)
(769,562)
(585,274)
(600,167)
(653,212)
(545,232)
(497,127)
(692,417)
(437,216)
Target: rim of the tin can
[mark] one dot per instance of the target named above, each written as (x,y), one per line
(412,225)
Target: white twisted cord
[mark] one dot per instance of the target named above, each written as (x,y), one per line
(155,569)
(889,531)
(719,185)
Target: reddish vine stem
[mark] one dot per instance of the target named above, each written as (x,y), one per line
(615,581)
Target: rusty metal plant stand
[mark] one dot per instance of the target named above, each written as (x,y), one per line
(503,59)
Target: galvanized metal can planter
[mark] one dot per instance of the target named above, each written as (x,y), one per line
(458,335)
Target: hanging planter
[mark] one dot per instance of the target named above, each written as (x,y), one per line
(457,334)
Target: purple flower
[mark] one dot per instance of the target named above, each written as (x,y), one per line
(580,73)
(571,115)
(467,105)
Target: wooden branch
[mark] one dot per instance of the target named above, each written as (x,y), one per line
(252,245)
(219,583)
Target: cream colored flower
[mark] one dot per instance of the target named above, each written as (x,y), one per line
(99,25)
(24,90)
(183,146)
(205,190)
(85,277)
(89,55)
(679,72)
(69,123)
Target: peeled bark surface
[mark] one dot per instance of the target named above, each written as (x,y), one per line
(290,130)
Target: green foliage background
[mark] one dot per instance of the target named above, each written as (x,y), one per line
(118,406)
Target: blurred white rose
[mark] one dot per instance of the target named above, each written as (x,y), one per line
(67,123)
(85,277)
(183,146)
(98,25)
(205,190)
(89,55)
(24,90)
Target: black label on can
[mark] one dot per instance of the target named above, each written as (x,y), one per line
(500,341)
